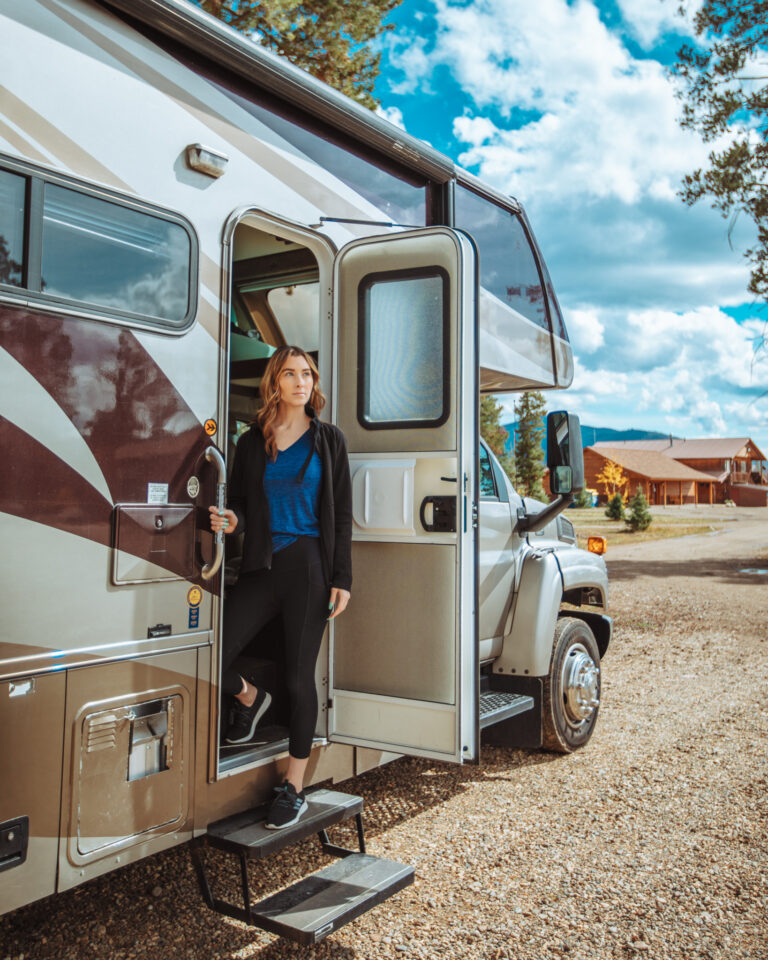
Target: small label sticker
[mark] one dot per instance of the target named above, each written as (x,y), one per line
(193,487)
(194,596)
(157,493)
(210,427)
(194,617)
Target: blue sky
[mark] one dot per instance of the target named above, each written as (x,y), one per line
(567,106)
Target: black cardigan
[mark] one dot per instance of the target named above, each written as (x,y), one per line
(249,501)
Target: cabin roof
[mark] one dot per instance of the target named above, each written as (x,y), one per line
(708,448)
(650,463)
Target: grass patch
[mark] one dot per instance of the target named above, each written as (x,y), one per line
(617,533)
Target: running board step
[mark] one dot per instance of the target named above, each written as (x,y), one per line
(245,832)
(496,705)
(319,904)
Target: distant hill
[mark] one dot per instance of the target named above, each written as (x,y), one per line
(590,435)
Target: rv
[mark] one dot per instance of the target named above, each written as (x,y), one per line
(175,203)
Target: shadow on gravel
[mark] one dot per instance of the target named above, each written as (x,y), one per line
(410,786)
(725,571)
(153,909)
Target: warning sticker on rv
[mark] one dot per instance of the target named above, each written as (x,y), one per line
(210,427)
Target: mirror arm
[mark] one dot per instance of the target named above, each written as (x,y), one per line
(532,522)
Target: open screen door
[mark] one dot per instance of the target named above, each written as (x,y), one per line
(404,654)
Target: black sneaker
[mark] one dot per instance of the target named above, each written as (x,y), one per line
(245,719)
(286,808)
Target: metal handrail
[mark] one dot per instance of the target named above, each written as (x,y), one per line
(213,455)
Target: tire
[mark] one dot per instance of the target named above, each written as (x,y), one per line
(571,695)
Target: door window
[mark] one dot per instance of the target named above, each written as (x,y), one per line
(403,349)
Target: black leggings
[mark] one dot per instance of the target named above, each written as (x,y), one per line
(296,589)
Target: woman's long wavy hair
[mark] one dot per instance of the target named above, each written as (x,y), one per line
(270,393)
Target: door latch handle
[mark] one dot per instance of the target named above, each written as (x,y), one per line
(443,514)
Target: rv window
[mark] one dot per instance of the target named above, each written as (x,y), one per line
(395,196)
(508,267)
(112,256)
(487,484)
(12,194)
(403,359)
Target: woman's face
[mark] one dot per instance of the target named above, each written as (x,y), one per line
(295,382)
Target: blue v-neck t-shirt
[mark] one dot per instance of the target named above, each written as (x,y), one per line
(294,501)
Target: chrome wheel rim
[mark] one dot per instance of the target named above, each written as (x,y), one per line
(580,679)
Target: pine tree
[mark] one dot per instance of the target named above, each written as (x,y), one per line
(725,98)
(494,434)
(331,39)
(639,517)
(583,498)
(615,508)
(529,453)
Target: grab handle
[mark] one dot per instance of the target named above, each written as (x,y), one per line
(212,455)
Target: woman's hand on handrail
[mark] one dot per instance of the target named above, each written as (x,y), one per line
(338,602)
(222,520)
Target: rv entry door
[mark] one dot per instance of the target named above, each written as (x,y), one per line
(404,664)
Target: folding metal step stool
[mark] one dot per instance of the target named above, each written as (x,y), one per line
(318,904)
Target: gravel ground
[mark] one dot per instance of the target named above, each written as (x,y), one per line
(650,842)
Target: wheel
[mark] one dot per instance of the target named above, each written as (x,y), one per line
(571,696)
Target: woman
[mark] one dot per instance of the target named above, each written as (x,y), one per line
(291,494)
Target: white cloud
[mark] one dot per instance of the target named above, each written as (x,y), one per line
(393,114)
(605,123)
(585,330)
(648,20)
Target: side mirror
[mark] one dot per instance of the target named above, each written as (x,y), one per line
(565,457)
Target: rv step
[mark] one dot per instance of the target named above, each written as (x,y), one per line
(245,832)
(496,705)
(319,904)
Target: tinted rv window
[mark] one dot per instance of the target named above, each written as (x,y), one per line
(403,349)
(395,196)
(508,268)
(12,193)
(113,256)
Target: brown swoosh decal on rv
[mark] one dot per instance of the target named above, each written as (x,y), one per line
(137,425)
(41,487)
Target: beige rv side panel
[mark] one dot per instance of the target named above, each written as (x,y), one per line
(31,719)
(113,811)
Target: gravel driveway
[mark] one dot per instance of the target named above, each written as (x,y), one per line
(651,842)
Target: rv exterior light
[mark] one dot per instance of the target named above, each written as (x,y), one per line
(206,159)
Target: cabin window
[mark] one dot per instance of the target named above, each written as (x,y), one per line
(94,255)
(508,267)
(487,483)
(403,344)
(110,255)
(13,190)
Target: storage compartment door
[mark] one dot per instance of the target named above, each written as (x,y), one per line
(404,654)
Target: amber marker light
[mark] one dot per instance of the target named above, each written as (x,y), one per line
(597,544)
